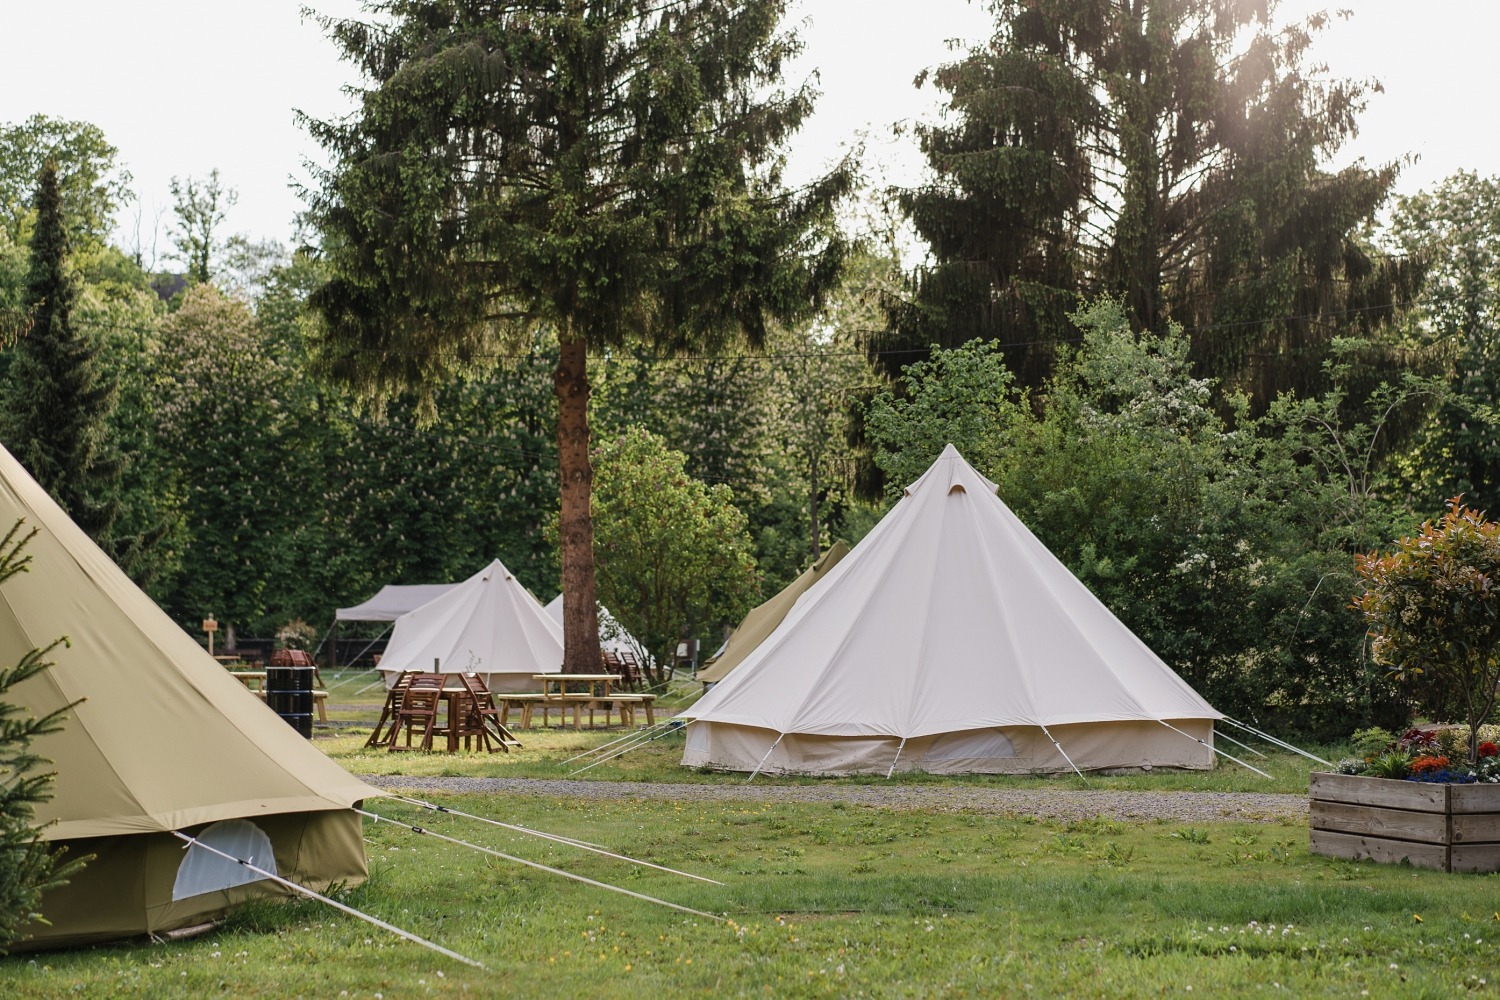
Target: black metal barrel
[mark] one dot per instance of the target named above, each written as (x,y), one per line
(289,693)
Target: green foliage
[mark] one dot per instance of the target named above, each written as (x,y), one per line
(1172,512)
(610,168)
(1392,764)
(963,397)
(28,866)
(1433,609)
(1372,741)
(408,500)
(1166,153)
(1455,230)
(222,417)
(199,208)
(673,554)
(92,186)
(56,399)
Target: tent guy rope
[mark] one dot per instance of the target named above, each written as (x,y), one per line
(1281,743)
(667,728)
(551,836)
(1215,749)
(601,748)
(195,842)
(423,831)
(1226,736)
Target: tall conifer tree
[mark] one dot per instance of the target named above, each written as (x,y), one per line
(607,168)
(1164,152)
(56,400)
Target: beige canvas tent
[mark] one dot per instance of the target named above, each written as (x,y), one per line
(763,619)
(164,739)
(489,625)
(950,640)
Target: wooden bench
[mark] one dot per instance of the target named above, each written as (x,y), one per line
(628,703)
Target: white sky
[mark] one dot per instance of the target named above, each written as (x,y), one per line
(184,86)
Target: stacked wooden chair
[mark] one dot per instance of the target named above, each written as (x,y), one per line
(481,719)
(418,708)
(379,734)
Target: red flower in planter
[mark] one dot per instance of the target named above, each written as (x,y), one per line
(1424,764)
(1488,749)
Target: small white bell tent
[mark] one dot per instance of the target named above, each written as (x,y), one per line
(163,740)
(612,635)
(489,625)
(950,640)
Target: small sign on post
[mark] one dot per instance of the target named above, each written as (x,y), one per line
(210,626)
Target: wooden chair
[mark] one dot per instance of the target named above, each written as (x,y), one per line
(629,669)
(419,706)
(392,702)
(481,719)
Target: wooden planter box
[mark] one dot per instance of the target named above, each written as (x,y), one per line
(1453,828)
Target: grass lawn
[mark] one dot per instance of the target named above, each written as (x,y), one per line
(822,899)
(829,900)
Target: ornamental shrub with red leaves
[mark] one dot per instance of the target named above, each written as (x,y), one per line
(1488,749)
(1433,611)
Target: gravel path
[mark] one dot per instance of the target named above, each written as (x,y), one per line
(1176,807)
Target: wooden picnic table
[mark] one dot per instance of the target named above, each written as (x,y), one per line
(563,680)
(599,695)
(255,682)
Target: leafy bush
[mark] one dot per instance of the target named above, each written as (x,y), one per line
(1433,607)
(1370,742)
(1170,509)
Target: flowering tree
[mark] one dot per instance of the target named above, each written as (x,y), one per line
(1433,608)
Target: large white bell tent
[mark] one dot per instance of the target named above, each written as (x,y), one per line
(489,624)
(163,739)
(950,640)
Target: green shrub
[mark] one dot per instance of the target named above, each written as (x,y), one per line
(1389,765)
(1372,742)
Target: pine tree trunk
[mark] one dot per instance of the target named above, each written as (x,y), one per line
(576,522)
